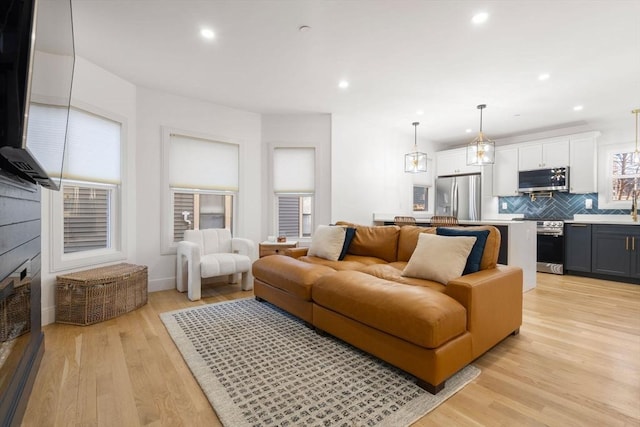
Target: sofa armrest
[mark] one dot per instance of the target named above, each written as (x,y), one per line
(493,299)
(296,252)
(244,246)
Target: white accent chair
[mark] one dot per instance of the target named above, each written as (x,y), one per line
(211,253)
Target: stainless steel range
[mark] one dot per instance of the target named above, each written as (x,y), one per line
(550,246)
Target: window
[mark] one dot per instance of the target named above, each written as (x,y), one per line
(294,216)
(87,209)
(624,176)
(294,188)
(420,198)
(203,182)
(199,210)
(87,228)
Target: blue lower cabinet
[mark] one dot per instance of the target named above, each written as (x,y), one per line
(616,250)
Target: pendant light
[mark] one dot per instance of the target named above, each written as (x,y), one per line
(416,161)
(636,154)
(481,151)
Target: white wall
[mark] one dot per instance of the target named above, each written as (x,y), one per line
(367,169)
(145,112)
(100,91)
(297,130)
(156,110)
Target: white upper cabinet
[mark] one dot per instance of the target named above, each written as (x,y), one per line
(544,154)
(454,162)
(505,172)
(583,163)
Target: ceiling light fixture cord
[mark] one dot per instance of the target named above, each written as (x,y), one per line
(415,138)
(636,111)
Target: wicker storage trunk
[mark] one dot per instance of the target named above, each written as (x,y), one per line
(91,296)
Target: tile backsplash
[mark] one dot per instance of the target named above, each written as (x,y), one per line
(561,206)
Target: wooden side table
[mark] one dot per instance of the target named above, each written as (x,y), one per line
(275,248)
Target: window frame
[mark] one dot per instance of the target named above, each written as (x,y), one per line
(167,245)
(605,176)
(118,228)
(273,195)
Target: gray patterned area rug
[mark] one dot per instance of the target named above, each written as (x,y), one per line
(260,366)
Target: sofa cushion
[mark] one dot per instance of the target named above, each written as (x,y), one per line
(336,265)
(414,313)
(439,258)
(393,272)
(289,274)
(327,242)
(350,232)
(376,241)
(473,261)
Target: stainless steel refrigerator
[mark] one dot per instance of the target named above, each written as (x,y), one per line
(459,196)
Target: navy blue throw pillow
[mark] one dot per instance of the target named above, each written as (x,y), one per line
(475,256)
(348,237)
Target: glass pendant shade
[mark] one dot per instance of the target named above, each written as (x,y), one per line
(416,161)
(482,150)
(636,153)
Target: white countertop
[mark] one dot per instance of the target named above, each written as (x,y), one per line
(504,219)
(492,222)
(509,219)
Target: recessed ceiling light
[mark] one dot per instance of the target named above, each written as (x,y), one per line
(480,18)
(343,84)
(419,112)
(207,33)
(468,130)
(578,108)
(304,28)
(544,76)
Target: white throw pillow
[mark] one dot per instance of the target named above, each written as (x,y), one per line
(327,242)
(439,258)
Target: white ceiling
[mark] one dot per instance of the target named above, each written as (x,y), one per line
(399,56)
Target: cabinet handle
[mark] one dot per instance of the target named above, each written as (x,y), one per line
(578,225)
(626,243)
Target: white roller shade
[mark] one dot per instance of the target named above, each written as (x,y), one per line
(203,164)
(294,170)
(46,133)
(93,149)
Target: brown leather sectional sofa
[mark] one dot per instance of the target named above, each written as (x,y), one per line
(428,329)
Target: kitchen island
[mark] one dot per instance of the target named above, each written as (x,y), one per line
(518,245)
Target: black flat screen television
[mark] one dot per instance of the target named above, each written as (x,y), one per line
(37,59)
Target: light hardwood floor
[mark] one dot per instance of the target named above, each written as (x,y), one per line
(576,362)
